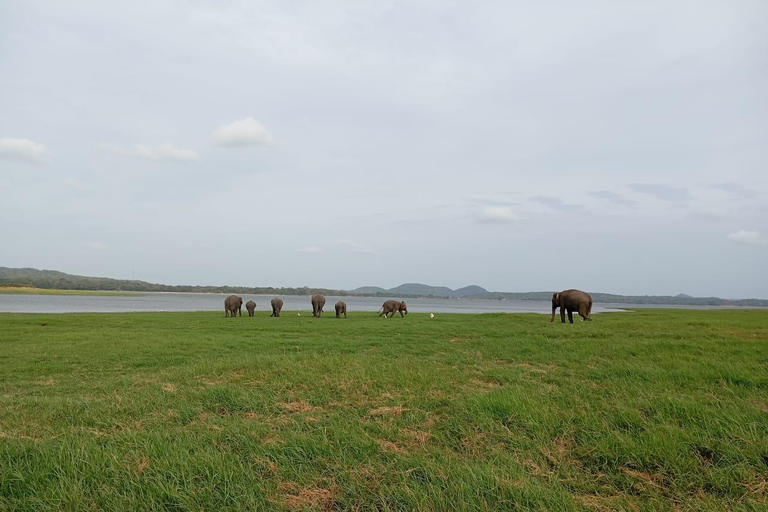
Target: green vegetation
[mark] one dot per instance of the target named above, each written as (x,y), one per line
(26,290)
(52,279)
(649,410)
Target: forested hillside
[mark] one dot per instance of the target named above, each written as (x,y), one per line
(52,279)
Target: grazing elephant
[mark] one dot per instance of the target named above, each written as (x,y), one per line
(341,309)
(318,301)
(570,301)
(389,308)
(277,306)
(233,305)
(251,307)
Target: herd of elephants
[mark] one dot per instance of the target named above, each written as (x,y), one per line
(569,301)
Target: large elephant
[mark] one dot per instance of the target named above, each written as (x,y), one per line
(570,301)
(341,309)
(318,301)
(389,308)
(233,305)
(251,307)
(277,306)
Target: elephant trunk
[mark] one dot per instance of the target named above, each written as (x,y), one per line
(554,308)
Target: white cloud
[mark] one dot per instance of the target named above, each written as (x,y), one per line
(357,247)
(247,132)
(497,215)
(748,237)
(22,149)
(162,152)
(312,249)
(97,246)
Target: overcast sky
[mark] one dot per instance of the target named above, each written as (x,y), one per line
(609,146)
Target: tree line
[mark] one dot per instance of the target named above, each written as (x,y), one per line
(52,279)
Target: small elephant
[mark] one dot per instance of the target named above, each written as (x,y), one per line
(341,309)
(251,307)
(570,301)
(277,306)
(233,305)
(318,301)
(389,308)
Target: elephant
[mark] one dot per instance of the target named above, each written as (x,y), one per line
(318,301)
(233,305)
(393,306)
(277,306)
(341,309)
(570,301)
(251,307)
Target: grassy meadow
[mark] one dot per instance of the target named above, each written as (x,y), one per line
(650,410)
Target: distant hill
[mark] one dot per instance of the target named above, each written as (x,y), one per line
(469,291)
(420,290)
(368,290)
(53,279)
(423,290)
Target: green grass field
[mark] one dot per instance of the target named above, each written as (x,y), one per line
(649,410)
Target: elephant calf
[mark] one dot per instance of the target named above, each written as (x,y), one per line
(570,301)
(233,305)
(251,307)
(341,309)
(389,308)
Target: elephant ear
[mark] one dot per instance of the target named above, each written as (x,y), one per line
(557,298)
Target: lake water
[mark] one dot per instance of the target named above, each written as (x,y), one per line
(11,303)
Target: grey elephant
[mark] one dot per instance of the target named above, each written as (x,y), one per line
(251,307)
(389,308)
(277,306)
(233,305)
(341,309)
(318,301)
(570,301)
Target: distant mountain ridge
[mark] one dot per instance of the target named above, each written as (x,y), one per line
(422,290)
(53,279)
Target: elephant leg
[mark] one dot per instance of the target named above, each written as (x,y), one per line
(570,315)
(562,314)
(583,311)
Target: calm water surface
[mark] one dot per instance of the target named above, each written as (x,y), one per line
(215,302)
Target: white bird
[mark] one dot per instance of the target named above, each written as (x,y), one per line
(298,314)
(431,315)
